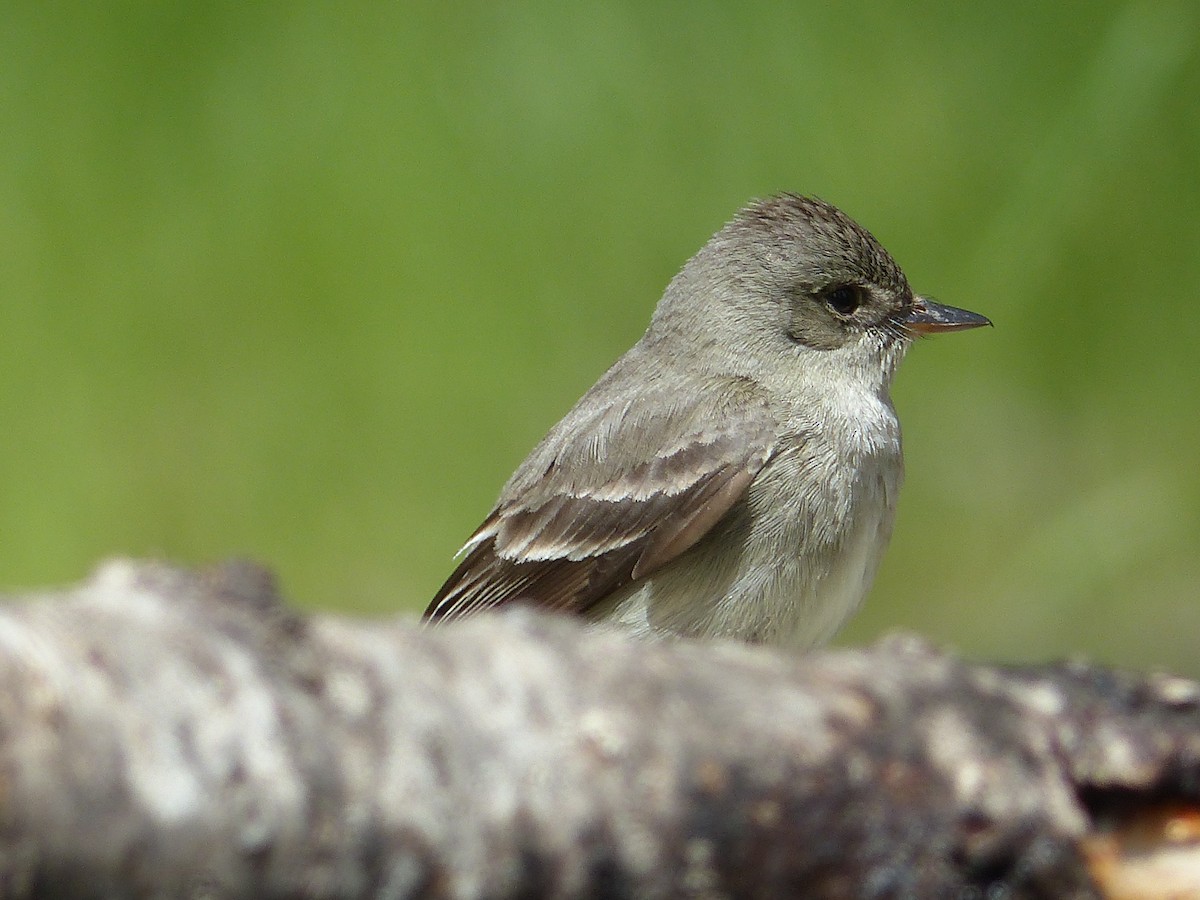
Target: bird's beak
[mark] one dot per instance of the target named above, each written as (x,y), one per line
(927,317)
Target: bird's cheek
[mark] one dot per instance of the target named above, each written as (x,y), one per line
(813,330)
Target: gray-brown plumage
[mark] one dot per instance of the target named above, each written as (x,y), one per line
(735,472)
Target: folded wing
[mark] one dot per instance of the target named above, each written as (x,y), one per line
(616,491)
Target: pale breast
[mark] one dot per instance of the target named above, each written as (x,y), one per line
(791,562)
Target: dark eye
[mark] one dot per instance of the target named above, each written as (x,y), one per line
(844,299)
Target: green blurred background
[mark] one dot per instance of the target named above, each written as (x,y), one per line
(304,283)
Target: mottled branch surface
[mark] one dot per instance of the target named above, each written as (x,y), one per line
(170,734)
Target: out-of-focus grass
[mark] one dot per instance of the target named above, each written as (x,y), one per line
(305,283)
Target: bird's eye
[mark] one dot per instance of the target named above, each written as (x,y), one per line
(844,299)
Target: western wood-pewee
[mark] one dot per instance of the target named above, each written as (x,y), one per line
(736,472)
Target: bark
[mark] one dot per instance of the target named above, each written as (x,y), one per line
(171,734)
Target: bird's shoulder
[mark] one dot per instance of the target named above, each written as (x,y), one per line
(635,439)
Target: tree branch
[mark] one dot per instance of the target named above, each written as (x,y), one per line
(170,734)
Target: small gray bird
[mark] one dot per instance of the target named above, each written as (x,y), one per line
(735,473)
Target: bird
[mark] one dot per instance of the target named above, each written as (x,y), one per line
(735,473)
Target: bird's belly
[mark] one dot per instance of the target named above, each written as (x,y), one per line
(784,582)
(817,604)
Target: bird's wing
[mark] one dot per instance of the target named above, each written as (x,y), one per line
(616,491)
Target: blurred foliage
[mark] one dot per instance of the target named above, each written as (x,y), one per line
(304,282)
